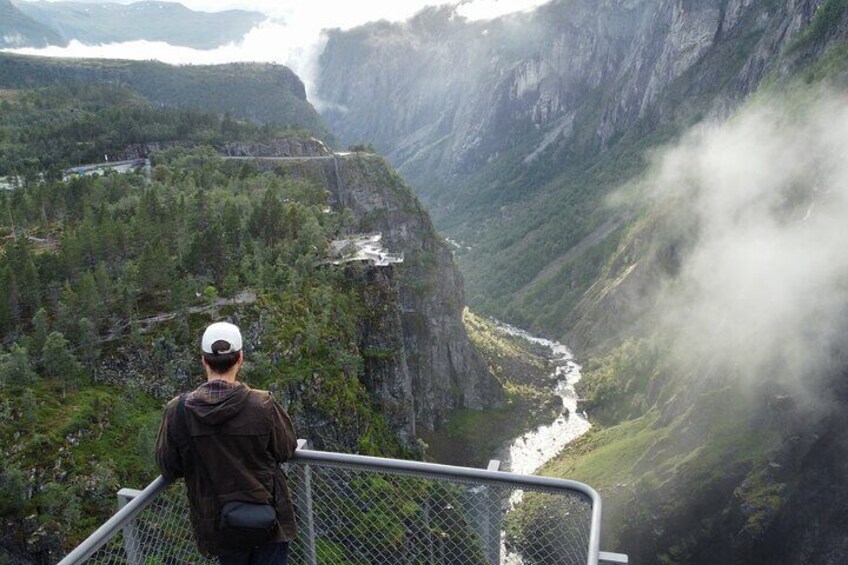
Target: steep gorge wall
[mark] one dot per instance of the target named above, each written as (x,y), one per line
(514,130)
(434,367)
(724,464)
(572,73)
(446,371)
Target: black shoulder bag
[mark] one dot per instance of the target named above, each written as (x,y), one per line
(246,524)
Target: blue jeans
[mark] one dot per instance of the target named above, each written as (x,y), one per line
(275,553)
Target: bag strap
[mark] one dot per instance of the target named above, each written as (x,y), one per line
(183,418)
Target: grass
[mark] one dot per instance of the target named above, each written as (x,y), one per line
(472,437)
(606,457)
(10,95)
(833,65)
(822,26)
(677,470)
(96,439)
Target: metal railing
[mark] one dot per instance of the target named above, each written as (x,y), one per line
(359,510)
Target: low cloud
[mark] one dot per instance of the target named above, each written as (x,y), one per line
(292,36)
(763,285)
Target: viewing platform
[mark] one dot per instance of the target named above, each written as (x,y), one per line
(369,510)
(366,248)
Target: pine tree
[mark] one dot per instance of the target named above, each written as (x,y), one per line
(155,268)
(29,408)
(17,367)
(104,285)
(89,344)
(12,491)
(6,297)
(24,277)
(89,303)
(60,362)
(40,329)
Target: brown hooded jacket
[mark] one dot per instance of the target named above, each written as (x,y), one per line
(242,435)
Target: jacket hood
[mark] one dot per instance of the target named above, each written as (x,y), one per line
(217,401)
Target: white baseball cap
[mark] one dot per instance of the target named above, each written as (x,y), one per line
(221,331)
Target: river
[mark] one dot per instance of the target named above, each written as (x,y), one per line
(526,454)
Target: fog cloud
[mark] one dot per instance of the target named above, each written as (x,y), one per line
(764,286)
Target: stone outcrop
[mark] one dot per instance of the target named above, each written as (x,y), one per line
(283,147)
(421,361)
(446,371)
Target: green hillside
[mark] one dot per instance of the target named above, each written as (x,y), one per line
(711,444)
(262,93)
(107,281)
(52,129)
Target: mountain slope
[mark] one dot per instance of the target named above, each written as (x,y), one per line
(514,130)
(170,22)
(17,29)
(106,282)
(264,93)
(664,184)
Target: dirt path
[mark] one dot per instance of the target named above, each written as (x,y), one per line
(246,297)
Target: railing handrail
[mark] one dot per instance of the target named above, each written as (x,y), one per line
(306,456)
(450,471)
(118,520)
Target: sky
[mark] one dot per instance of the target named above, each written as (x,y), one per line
(352,13)
(291,36)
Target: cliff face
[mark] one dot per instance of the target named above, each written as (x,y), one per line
(514,130)
(446,371)
(281,147)
(571,73)
(423,363)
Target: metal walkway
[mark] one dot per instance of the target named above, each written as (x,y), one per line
(353,509)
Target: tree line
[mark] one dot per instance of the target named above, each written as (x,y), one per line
(45,131)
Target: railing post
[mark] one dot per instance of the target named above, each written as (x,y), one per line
(485,513)
(428,535)
(132,542)
(492,527)
(304,497)
(610,558)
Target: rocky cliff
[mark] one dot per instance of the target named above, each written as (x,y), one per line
(446,371)
(434,367)
(281,147)
(576,73)
(720,421)
(513,131)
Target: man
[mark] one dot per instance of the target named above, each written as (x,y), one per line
(228,440)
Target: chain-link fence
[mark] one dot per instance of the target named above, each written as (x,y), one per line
(361,511)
